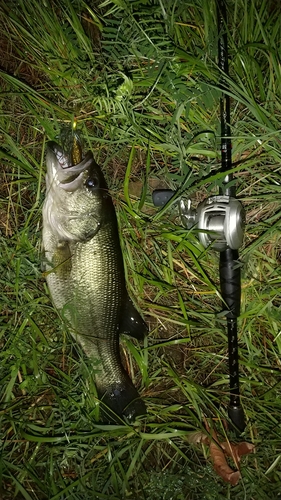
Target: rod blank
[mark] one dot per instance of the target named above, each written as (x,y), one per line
(230,276)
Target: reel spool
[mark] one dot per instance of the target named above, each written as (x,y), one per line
(220,220)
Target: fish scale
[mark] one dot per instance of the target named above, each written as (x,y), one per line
(85,275)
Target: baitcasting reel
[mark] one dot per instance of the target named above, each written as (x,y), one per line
(220,220)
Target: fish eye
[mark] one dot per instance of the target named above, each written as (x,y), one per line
(92,183)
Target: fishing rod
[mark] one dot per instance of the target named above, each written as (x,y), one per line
(230,268)
(221,221)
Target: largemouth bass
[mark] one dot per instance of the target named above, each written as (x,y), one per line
(85,274)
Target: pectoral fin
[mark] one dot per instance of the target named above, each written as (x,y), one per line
(132,323)
(62,260)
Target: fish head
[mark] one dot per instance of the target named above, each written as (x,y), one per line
(76,195)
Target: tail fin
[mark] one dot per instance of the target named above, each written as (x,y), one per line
(120,401)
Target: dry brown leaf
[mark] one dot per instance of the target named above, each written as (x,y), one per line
(219,451)
(221,466)
(136,186)
(198,437)
(245,448)
(237,450)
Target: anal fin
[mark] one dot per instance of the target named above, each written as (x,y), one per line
(132,323)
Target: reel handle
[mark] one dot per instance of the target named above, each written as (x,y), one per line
(161,196)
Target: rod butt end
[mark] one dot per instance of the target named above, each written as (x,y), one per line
(237,417)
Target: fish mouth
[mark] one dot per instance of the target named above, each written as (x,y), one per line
(68,177)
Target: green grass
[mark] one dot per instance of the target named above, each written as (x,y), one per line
(141,78)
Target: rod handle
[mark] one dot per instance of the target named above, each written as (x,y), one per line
(230,281)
